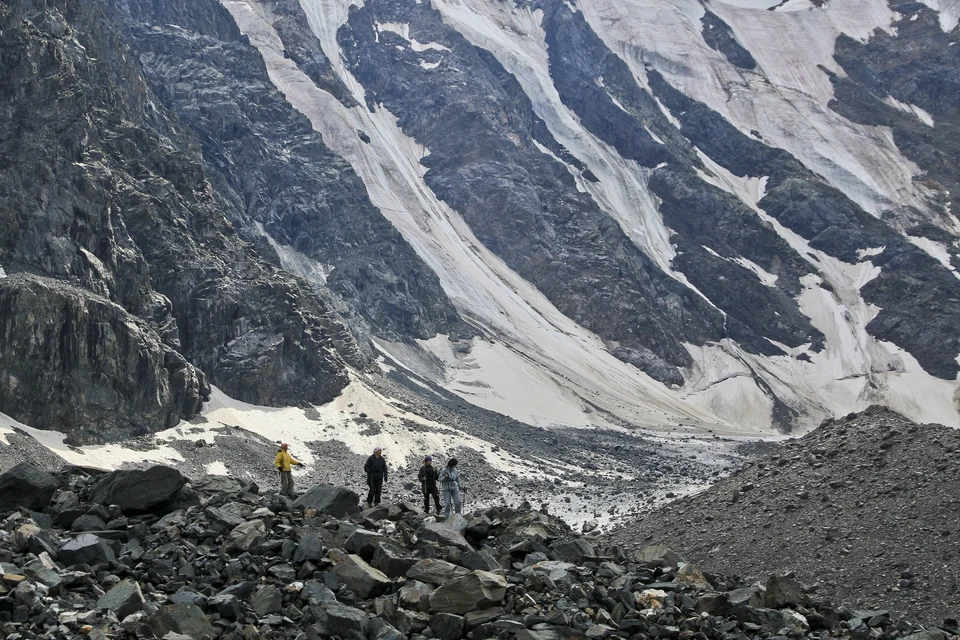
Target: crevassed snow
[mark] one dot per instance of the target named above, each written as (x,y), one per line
(788,87)
(556,370)
(500,303)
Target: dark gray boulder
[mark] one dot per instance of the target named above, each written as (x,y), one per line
(26,486)
(476,590)
(361,578)
(123,599)
(86,549)
(330,500)
(343,621)
(782,592)
(186,619)
(88,522)
(392,559)
(245,537)
(447,626)
(266,601)
(136,491)
(228,606)
(308,548)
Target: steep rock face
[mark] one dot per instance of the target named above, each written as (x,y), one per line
(520,202)
(273,174)
(102,187)
(917,296)
(890,76)
(719,36)
(710,228)
(75,362)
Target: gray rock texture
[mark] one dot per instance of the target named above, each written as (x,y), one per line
(109,193)
(79,363)
(25,485)
(134,490)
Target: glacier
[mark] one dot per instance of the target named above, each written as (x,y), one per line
(533,363)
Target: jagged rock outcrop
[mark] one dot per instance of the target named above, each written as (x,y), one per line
(102,187)
(285,191)
(75,362)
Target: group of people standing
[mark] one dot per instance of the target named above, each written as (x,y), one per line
(433,481)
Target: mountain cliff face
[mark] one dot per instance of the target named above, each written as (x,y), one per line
(586,213)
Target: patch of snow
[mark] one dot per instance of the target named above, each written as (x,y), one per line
(669,114)
(873,251)
(107,456)
(3,274)
(429,65)
(936,250)
(217,469)
(337,420)
(765,277)
(787,87)
(297,263)
(912,109)
(949,12)
(575,172)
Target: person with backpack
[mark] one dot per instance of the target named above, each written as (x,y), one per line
(428,480)
(376,468)
(450,485)
(284,463)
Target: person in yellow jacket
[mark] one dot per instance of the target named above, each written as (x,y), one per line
(284,463)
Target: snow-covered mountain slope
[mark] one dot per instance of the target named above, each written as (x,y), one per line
(673,215)
(538,360)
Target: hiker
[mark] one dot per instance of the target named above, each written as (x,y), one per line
(428,480)
(376,468)
(450,484)
(284,462)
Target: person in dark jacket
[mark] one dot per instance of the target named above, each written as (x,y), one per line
(428,480)
(376,468)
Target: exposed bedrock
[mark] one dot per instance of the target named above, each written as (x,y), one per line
(104,188)
(77,363)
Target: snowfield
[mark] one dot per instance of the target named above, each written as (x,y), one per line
(538,366)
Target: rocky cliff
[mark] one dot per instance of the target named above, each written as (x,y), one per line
(105,188)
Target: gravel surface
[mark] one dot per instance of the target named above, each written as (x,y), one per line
(865,509)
